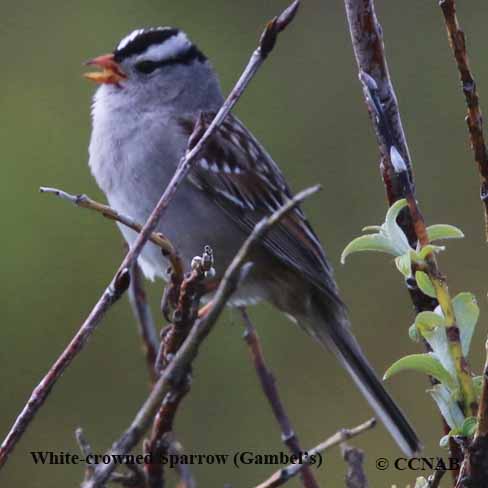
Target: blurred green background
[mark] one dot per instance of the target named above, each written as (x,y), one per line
(306,107)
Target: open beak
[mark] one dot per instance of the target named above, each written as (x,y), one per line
(111,72)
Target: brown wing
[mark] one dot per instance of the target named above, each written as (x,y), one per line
(247,184)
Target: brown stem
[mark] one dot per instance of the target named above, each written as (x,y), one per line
(283,475)
(268,384)
(475,466)
(474,118)
(185,315)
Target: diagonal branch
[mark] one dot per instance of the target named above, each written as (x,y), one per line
(137,295)
(120,280)
(283,475)
(178,366)
(157,238)
(268,385)
(474,118)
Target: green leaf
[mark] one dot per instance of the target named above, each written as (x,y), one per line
(469,426)
(371,242)
(393,230)
(426,322)
(448,406)
(443,231)
(413,333)
(426,250)
(424,363)
(431,326)
(404,264)
(467,312)
(444,442)
(424,283)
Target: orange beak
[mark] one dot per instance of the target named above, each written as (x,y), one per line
(111,72)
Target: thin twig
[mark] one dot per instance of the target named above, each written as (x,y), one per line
(186,477)
(136,477)
(120,281)
(474,118)
(268,384)
(474,471)
(178,366)
(281,476)
(84,201)
(144,319)
(85,449)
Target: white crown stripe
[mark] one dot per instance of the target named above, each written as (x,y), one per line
(129,38)
(169,49)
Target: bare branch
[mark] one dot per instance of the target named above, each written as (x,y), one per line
(474,471)
(85,449)
(120,281)
(474,118)
(281,476)
(178,366)
(268,384)
(85,201)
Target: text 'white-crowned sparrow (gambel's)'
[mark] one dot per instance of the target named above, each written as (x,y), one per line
(154,86)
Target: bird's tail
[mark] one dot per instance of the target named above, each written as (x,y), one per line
(328,323)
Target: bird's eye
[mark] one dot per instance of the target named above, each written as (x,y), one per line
(146,67)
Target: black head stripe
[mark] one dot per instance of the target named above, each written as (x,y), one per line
(143,40)
(186,57)
(140,41)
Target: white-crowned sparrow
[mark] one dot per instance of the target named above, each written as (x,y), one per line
(153,87)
